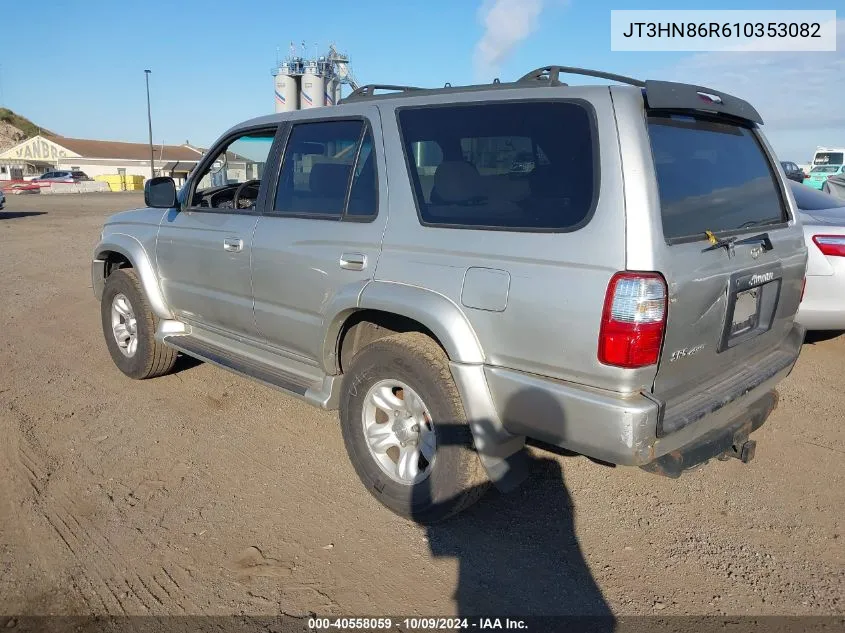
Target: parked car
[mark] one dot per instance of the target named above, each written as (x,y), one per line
(632,298)
(2,200)
(820,173)
(823,218)
(835,186)
(793,171)
(61,176)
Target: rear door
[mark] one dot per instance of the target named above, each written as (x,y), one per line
(731,255)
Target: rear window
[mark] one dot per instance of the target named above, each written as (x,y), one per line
(511,166)
(712,176)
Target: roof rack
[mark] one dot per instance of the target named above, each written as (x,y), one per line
(551,74)
(540,77)
(370,90)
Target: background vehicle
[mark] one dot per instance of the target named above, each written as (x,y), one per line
(493,306)
(793,171)
(823,217)
(835,186)
(818,175)
(2,199)
(61,176)
(828,156)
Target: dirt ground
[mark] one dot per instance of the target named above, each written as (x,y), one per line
(205,493)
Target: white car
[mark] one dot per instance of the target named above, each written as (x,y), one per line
(823,215)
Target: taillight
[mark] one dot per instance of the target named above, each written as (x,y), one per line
(633,320)
(833,245)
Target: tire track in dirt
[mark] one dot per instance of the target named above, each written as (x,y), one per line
(101,571)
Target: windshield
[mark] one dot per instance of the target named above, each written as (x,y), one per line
(825,170)
(712,176)
(829,158)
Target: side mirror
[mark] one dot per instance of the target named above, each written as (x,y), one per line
(160,193)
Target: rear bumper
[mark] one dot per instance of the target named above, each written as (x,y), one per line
(626,429)
(823,306)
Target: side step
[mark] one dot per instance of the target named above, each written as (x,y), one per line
(321,393)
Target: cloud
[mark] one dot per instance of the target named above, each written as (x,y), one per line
(801,96)
(506,24)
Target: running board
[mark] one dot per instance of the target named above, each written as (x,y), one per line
(321,393)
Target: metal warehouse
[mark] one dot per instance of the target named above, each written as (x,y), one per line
(41,154)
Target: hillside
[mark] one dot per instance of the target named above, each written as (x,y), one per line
(14,128)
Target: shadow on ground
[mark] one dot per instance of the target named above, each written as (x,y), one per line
(11,215)
(184,363)
(819,336)
(517,552)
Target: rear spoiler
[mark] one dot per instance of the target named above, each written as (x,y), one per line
(668,95)
(659,95)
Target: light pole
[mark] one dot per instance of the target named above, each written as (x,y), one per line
(150,125)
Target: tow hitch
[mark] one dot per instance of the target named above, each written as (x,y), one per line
(743,451)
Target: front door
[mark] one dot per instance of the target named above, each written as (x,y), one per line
(320,236)
(203,248)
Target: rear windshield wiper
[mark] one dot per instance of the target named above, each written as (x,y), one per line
(728,243)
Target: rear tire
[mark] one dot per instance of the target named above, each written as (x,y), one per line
(129,326)
(415,370)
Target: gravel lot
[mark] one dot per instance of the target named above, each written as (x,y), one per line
(202,492)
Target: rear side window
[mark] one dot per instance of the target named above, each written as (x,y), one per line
(322,162)
(507,165)
(712,176)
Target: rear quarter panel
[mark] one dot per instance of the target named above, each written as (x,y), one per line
(555,283)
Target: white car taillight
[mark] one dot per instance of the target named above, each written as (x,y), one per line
(633,320)
(833,245)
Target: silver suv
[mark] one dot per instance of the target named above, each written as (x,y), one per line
(613,270)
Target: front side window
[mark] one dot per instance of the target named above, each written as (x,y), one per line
(235,172)
(712,176)
(508,165)
(328,171)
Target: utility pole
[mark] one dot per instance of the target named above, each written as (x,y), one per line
(150,125)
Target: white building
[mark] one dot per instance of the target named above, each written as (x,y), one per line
(41,154)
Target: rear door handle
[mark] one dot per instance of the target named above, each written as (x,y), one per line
(353,261)
(233,244)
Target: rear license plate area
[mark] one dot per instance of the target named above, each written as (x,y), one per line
(752,302)
(746,314)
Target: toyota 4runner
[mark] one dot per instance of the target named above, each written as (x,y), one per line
(613,270)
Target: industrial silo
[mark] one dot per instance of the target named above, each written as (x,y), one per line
(312,90)
(287,89)
(330,100)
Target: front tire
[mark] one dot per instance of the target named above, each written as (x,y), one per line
(129,327)
(406,432)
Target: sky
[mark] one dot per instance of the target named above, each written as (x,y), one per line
(79,71)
